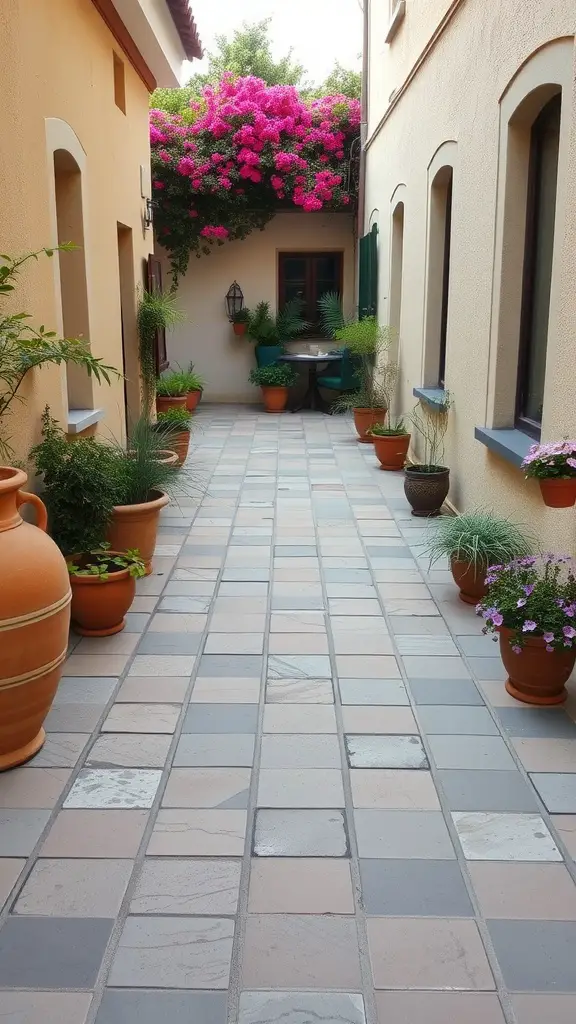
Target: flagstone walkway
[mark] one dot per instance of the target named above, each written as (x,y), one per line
(294,789)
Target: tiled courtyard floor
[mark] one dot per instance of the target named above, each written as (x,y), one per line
(294,789)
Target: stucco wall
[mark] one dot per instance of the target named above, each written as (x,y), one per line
(207,338)
(456,95)
(57,64)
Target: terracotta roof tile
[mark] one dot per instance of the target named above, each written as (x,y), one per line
(186,26)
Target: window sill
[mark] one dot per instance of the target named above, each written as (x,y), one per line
(512,445)
(80,419)
(398,15)
(432,396)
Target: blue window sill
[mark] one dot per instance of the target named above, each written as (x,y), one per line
(81,419)
(512,445)
(432,396)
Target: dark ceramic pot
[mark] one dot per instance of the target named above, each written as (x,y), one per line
(425,490)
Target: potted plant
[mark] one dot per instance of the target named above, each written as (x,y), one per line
(103,588)
(427,483)
(171,392)
(531,604)
(368,344)
(157,312)
(176,424)
(240,321)
(391,443)
(194,384)
(472,542)
(274,381)
(554,466)
(270,332)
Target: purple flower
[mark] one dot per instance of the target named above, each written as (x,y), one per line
(516,649)
(549,648)
(497,618)
(520,602)
(569,611)
(528,588)
(549,637)
(571,462)
(529,626)
(569,632)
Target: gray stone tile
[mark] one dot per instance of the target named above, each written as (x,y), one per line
(427,644)
(478,646)
(305,602)
(557,791)
(385,752)
(61,750)
(300,951)
(52,953)
(45,1007)
(170,643)
(189,886)
(295,551)
(129,751)
(536,956)
(487,668)
(75,888)
(300,787)
(414,888)
(218,750)
(70,717)
(418,667)
(486,790)
(142,718)
(193,605)
(174,952)
(418,625)
(227,665)
(300,751)
(114,788)
(299,1007)
(457,719)
(20,830)
(544,722)
(221,718)
(198,833)
(483,752)
(391,692)
(300,833)
(493,836)
(402,834)
(85,690)
(299,666)
(136,622)
(144,1006)
(445,691)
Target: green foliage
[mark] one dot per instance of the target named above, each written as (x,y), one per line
(341,81)
(24,347)
(431,422)
(171,385)
(241,317)
(332,318)
(157,311)
(396,429)
(103,563)
(479,538)
(176,420)
(266,329)
(279,375)
(140,474)
(191,380)
(368,342)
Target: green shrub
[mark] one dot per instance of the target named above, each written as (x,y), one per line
(288,323)
(175,420)
(399,428)
(279,375)
(172,385)
(478,538)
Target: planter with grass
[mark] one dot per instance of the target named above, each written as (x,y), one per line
(240,321)
(171,392)
(554,466)
(192,385)
(426,484)
(472,542)
(531,606)
(176,423)
(391,444)
(275,382)
(103,588)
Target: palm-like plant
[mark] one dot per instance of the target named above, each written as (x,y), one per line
(288,323)
(368,342)
(157,311)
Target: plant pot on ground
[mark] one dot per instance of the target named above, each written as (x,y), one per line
(171,392)
(426,483)
(391,444)
(554,466)
(175,424)
(192,385)
(275,382)
(531,604)
(103,588)
(473,542)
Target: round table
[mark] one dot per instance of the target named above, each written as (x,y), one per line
(312,398)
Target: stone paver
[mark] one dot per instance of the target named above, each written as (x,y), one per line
(294,788)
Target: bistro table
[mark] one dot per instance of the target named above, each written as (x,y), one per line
(312,398)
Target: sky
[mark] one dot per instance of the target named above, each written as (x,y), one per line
(319,31)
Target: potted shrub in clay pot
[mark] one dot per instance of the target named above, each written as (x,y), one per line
(240,322)
(103,588)
(391,444)
(157,312)
(531,605)
(171,392)
(176,424)
(426,483)
(554,466)
(275,382)
(270,332)
(194,385)
(472,542)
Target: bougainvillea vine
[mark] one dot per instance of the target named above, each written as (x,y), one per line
(244,151)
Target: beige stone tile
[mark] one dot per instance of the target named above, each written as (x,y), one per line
(130,750)
(75,888)
(32,787)
(366,666)
(496,694)
(300,886)
(404,591)
(198,833)
(223,623)
(402,606)
(348,642)
(565,825)
(546,755)
(10,869)
(300,787)
(299,718)
(162,622)
(298,643)
(45,1007)
(378,719)
(427,953)
(235,690)
(393,789)
(94,833)
(187,887)
(95,664)
(297,622)
(162,665)
(207,787)
(300,952)
(234,643)
(296,575)
(544,1008)
(121,643)
(143,604)
(151,690)
(524,891)
(369,624)
(440,1007)
(299,691)
(154,718)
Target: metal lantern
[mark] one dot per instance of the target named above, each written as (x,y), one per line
(234,300)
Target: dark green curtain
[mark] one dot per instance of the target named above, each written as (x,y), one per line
(368,273)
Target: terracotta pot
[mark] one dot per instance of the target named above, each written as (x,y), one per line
(558,492)
(99,606)
(34,622)
(391,450)
(239,329)
(136,526)
(536,676)
(275,399)
(181,443)
(426,491)
(165,402)
(192,399)
(366,418)
(163,455)
(470,579)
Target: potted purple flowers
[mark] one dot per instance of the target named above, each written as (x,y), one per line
(531,604)
(554,466)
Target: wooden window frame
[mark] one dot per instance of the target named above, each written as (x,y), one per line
(310,276)
(445,283)
(153,275)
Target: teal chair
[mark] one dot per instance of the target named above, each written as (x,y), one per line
(341,376)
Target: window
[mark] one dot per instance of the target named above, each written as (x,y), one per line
(153,283)
(396,266)
(438,276)
(538,256)
(307,276)
(445,283)
(119,83)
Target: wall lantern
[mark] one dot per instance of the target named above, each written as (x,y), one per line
(234,300)
(148,216)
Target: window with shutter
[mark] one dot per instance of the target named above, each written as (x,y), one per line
(368,273)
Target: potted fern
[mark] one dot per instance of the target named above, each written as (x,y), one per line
(270,332)
(473,542)
(274,381)
(426,484)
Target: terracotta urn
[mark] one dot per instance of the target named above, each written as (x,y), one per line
(192,399)
(470,580)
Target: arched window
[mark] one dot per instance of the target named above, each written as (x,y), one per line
(438,277)
(396,266)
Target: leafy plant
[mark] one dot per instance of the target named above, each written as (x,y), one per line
(24,347)
(478,538)
(431,422)
(241,317)
(368,343)
(552,461)
(172,385)
(190,380)
(157,311)
(279,376)
(103,563)
(266,329)
(139,473)
(396,429)
(175,420)
(533,596)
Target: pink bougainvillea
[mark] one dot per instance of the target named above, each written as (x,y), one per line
(245,148)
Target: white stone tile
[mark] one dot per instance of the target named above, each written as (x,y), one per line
(490,836)
(114,787)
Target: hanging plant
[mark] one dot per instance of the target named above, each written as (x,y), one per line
(247,150)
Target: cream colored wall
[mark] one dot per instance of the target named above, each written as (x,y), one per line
(456,95)
(207,338)
(57,64)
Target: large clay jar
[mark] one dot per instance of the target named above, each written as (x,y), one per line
(136,527)
(34,622)
(535,675)
(364,420)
